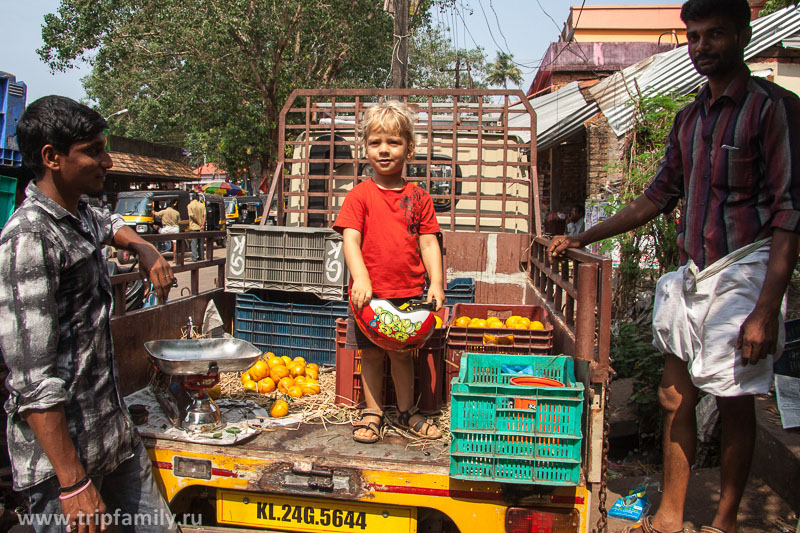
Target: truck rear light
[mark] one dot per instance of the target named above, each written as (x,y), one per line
(196,468)
(521,520)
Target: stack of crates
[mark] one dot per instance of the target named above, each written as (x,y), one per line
(12,104)
(292,285)
(428,371)
(461,339)
(513,433)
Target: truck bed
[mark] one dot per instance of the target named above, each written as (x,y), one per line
(328,444)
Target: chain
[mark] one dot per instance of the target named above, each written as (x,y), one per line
(602,521)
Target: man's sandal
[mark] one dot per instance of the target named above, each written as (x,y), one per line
(370,425)
(647,527)
(421,429)
(711,529)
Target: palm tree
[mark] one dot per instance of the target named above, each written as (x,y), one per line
(503,70)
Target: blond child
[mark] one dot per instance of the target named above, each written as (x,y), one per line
(389,229)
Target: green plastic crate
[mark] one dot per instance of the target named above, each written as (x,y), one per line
(8,191)
(515,434)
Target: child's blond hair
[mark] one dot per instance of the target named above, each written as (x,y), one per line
(390,116)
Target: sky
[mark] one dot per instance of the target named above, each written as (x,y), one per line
(521,27)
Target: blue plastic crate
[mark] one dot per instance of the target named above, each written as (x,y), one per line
(460,291)
(516,434)
(10,158)
(287,328)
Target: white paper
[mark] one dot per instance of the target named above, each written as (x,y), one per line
(787,391)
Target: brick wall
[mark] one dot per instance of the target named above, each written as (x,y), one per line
(569,173)
(603,152)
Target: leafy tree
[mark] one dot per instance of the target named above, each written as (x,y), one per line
(775,5)
(214,73)
(504,70)
(433,60)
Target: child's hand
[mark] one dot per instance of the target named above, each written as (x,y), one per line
(361,292)
(435,292)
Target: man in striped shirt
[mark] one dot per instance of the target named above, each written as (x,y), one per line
(733,156)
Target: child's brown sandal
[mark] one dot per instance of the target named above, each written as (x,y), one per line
(371,425)
(404,421)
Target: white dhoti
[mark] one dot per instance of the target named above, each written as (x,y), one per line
(697,318)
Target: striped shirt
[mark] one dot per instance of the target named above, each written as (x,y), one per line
(55,335)
(736,162)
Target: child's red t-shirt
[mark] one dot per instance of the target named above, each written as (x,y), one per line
(390,223)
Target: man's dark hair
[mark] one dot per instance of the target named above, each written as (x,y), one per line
(736,10)
(579,210)
(58,121)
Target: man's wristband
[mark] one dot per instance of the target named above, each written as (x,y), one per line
(76,486)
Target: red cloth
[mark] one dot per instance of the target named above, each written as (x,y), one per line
(390,223)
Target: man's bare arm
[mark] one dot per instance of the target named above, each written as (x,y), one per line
(758,336)
(157,268)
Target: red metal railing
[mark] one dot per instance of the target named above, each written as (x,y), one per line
(577,292)
(477,158)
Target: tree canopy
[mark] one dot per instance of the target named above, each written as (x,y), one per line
(212,75)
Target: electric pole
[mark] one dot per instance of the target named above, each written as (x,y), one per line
(400,48)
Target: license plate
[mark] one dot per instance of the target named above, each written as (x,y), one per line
(299,514)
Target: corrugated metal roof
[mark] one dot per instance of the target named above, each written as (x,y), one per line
(674,72)
(558,115)
(791,42)
(149,168)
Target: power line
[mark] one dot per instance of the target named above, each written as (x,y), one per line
(499,27)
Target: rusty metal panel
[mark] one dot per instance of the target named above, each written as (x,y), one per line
(470,156)
(577,291)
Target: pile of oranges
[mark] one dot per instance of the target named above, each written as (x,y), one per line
(292,377)
(512,322)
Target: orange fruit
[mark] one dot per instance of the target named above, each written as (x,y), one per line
(312,373)
(278,372)
(462,321)
(295,392)
(535,324)
(525,322)
(287,360)
(266,385)
(511,322)
(438,321)
(250,385)
(285,383)
(275,361)
(311,388)
(315,366)
(279,409)
(258,371)
(311,381)
(299,359)
(297,370)
(245,376)
(267,356)
(300,380)
(477,323)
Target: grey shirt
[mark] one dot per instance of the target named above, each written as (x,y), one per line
(55,335)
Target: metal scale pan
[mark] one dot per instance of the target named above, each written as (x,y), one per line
(187,368)
(193,357)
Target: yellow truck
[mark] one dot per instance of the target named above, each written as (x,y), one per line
(313,477)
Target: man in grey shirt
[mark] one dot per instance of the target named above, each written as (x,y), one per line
(72,446)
